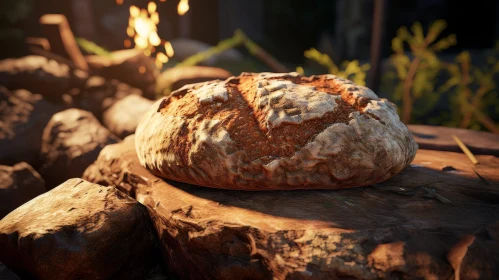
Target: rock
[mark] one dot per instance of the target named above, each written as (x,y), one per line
(23,116)
(123,117)
(59,83)
(123,65)
(79,230)
(185,48)
(419,224)
(18,184)
(98,95)
(98,173)
(7,274)
(440,138)
(177,77)
(40,75)
(274,131)
(71,141)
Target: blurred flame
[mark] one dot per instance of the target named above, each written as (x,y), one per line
(151,7)
(169,49)
(127,43)
(155,18)
(162,57)
(134,11)
(154,39)
(183,7)
(142,28)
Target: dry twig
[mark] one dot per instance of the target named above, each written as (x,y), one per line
(465,149)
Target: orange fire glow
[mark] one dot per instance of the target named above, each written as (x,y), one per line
(183,7)
(142,28)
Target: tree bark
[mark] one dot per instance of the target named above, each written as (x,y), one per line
(374,75)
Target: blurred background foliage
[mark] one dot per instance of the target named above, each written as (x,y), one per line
(438,64)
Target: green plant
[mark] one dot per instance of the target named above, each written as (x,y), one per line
(92,47)
(470,89)
(239,38)
(417,73)
(221,47)
(472,92)
(351,70)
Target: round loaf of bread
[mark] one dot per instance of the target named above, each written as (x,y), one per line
(268,131)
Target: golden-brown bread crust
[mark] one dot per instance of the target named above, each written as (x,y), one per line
(272,131)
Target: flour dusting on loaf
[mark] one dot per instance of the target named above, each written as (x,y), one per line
(286,102)
(210,93)
(271,131)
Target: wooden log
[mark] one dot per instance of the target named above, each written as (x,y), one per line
(422,213)
(440,138)
(62,42)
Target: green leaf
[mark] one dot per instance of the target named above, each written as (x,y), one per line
(417,30)
(420,79)
(397,45)
(450,83)
(403,34)
(93,48)
(322,59)
(464,57)
(221,47)
(300,70)
(401,63)
(444,43)
(434,31)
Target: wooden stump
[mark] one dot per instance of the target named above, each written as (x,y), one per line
(426,222)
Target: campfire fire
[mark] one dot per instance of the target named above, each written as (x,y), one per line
(142,29)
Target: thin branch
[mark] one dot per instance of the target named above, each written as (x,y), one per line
(261,54)
(408,82)
(475,101)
